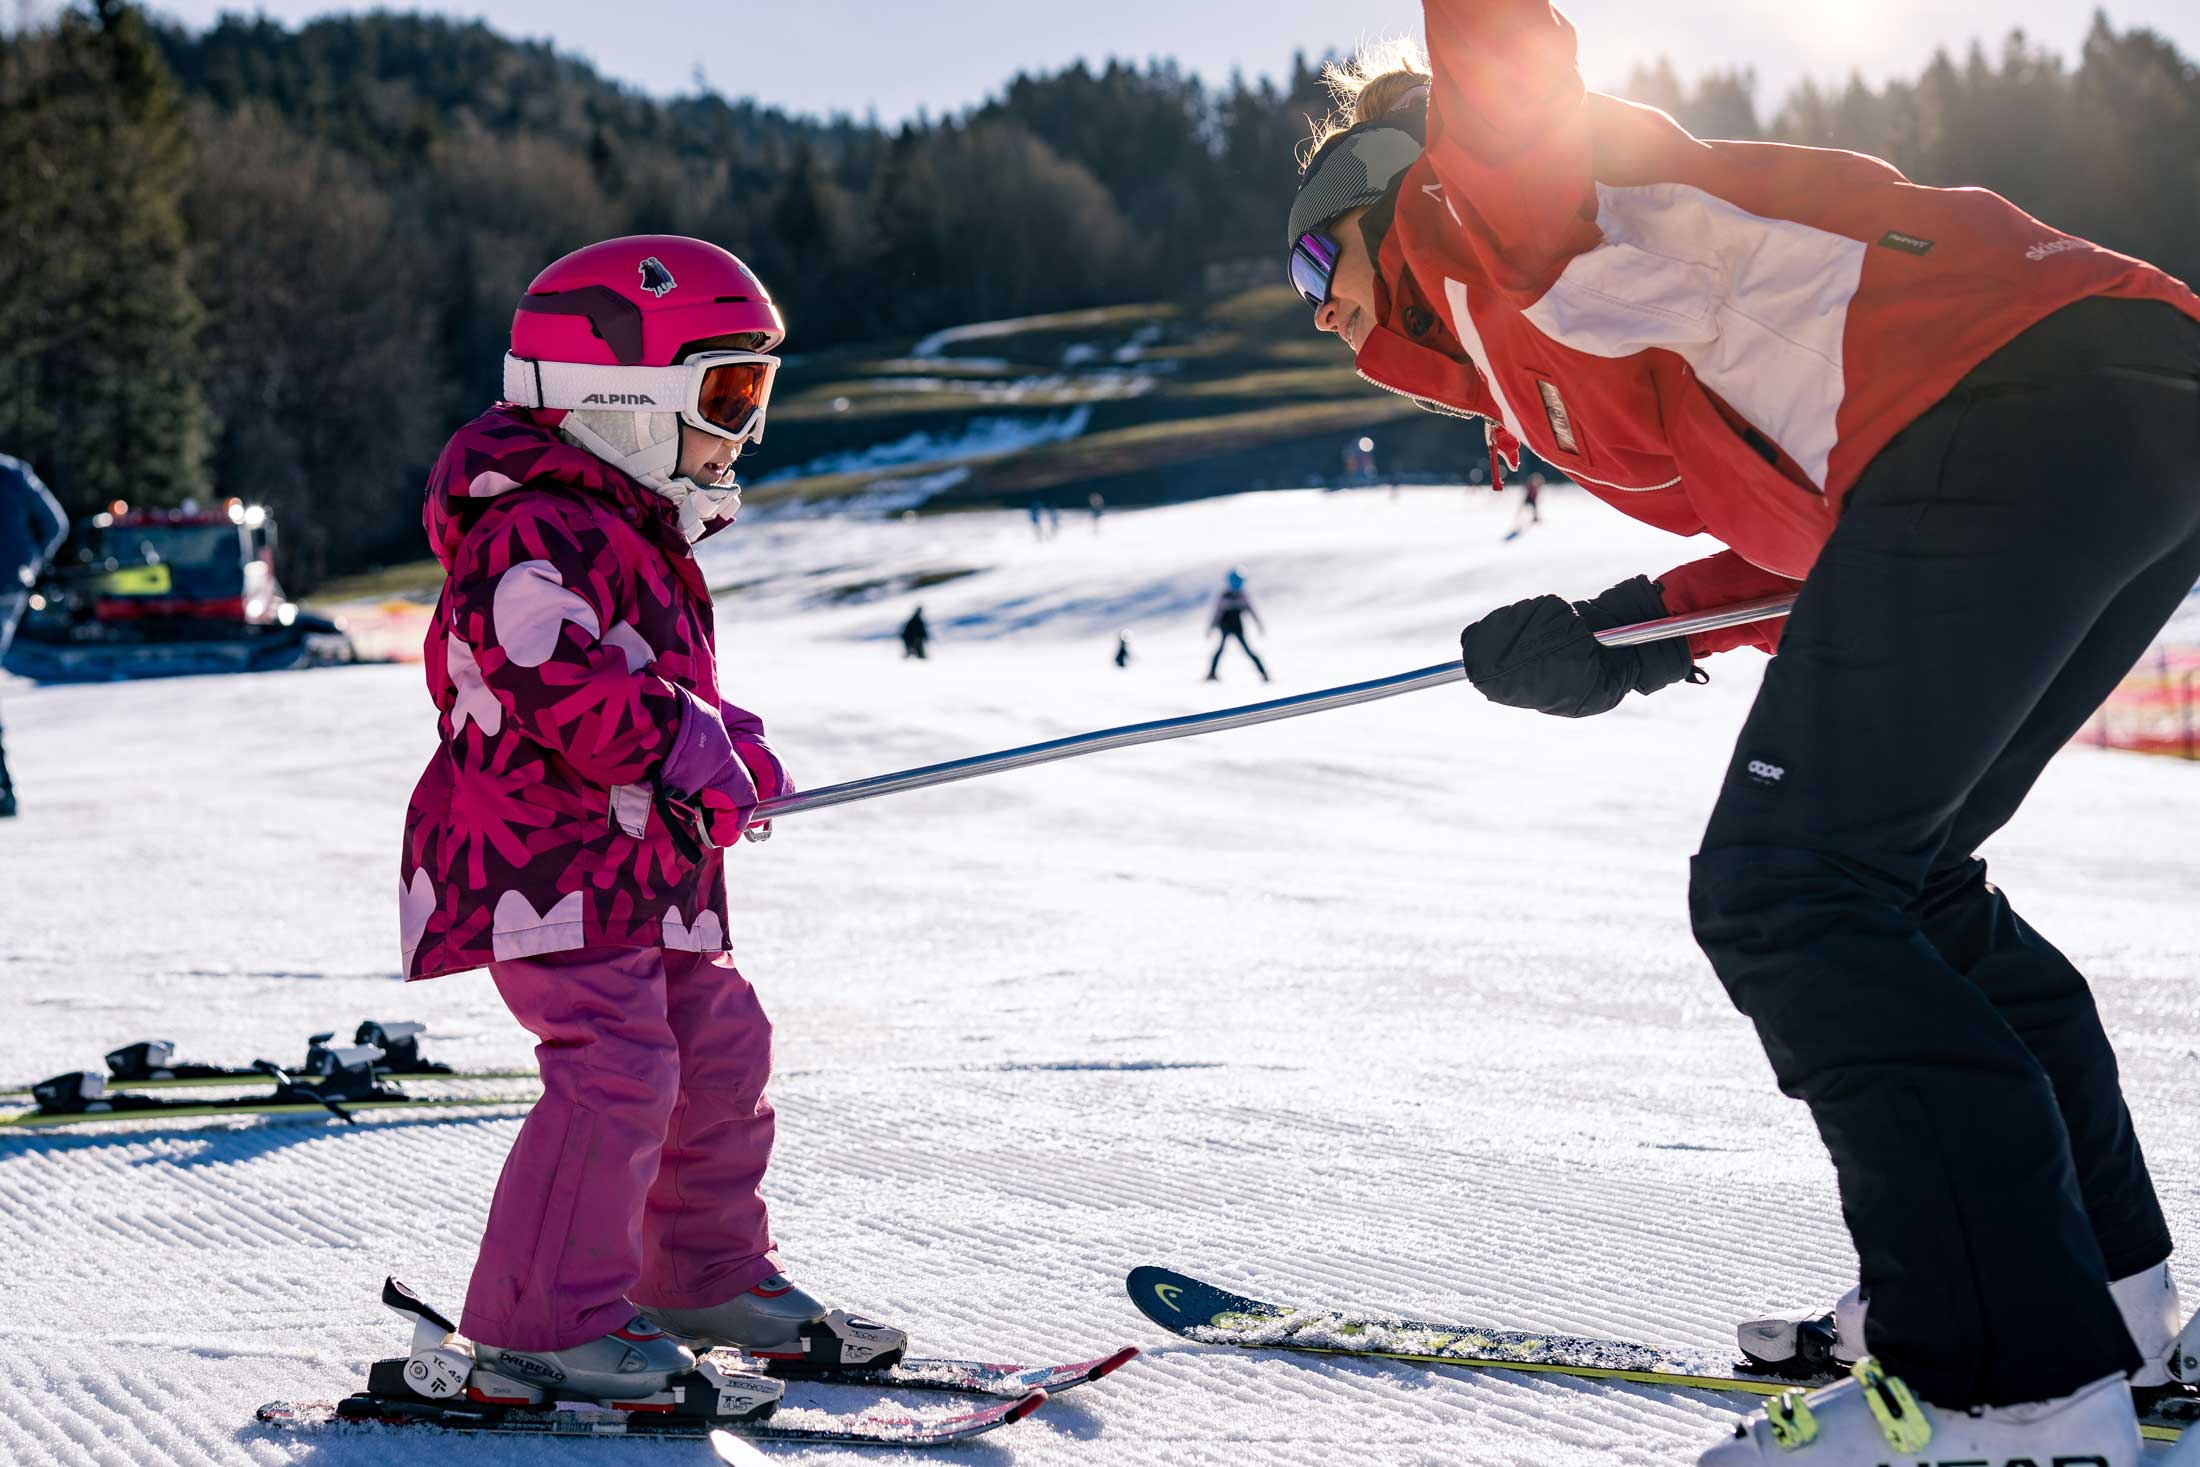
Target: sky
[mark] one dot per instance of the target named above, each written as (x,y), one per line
(895,57)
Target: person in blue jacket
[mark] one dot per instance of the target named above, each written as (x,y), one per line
(32,528)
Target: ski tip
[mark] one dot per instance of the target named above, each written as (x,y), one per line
(728,1448)
(1158,1293)
(1178,1302)
(1114,1362)
(1024,1407)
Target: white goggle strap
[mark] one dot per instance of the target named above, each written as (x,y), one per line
(585,386)
(581,386)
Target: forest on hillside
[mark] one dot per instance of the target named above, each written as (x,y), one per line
(281,263)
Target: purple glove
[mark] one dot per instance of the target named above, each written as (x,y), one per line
(746,731)
(704,789)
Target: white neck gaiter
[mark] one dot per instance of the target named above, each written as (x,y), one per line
(646,446)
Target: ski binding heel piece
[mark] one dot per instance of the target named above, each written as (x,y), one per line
(707,1393)
(399,1041)
(148,1059)
(438,1367)
(839,1341)
(1792,1349)
(80,1092)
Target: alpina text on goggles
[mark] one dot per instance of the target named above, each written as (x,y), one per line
(721,392)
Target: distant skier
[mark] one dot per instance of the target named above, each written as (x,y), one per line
(1531,493)
(567,833)
(1038,513)
(1122,649)
(914,634)
(32,528)
(1231,609)
(1097,503)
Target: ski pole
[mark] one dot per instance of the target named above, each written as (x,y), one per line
(1190,725)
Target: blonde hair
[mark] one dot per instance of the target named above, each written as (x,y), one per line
(1366,87)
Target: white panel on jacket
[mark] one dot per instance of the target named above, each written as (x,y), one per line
(1757,306)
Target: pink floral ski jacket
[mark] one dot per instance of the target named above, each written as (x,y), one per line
(572,611)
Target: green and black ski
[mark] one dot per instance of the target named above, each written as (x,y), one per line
(151,1064)
(1200,1311)
(82,1099)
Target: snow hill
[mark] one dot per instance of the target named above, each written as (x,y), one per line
(1394,1007)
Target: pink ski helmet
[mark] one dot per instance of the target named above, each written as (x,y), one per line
(637,301)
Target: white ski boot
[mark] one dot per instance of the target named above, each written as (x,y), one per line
(631,1363)
(1872,1418)
(1813,1347)
(783,1324)
(635,1368)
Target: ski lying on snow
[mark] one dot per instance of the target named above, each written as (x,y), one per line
(146,1108)
(1199,1311)
(381,1050)
(870,1428)
(963,1377)
(212,1078)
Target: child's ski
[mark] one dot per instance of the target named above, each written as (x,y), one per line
(875,1427)
(965,1377)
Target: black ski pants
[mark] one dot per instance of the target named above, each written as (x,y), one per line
(1214,667)
(12,605)
(1995,572)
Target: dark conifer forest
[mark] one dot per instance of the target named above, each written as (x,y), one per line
(282,263)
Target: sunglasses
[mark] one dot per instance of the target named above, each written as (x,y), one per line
(1313,262)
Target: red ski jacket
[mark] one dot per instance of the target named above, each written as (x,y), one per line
(1709,336)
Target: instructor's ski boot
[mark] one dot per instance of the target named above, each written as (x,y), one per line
(1873,1418)
(1816,1347)
(785,1326)
(637,1368)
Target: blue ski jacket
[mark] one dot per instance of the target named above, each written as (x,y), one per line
(32,525)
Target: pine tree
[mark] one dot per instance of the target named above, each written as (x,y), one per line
(98,324)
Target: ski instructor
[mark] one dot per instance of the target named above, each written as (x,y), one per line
(1972,442)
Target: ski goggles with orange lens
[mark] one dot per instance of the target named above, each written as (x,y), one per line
(720,392)
(731,390)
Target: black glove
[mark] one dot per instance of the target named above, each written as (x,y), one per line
(1542,653)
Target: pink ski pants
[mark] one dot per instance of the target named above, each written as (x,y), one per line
(634,1179)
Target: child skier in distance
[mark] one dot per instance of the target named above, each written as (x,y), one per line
(567,832)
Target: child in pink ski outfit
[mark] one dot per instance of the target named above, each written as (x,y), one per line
(567,832)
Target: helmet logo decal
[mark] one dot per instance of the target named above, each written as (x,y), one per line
(620,399)
(656,279)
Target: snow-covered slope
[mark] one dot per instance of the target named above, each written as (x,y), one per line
(1396,1006)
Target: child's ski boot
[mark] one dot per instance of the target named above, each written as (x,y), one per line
(637,1368)
(788,1328)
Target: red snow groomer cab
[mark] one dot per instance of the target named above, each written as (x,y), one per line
(147,592)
